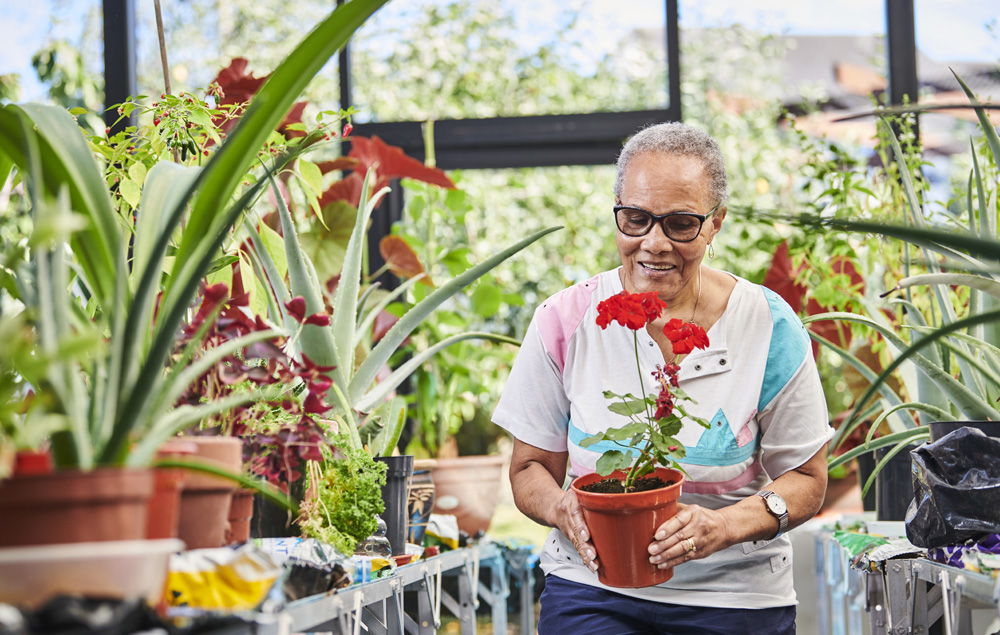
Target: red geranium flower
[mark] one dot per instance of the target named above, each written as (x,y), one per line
(685,336)
(631,310)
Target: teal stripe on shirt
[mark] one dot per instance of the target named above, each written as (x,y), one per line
(788,348)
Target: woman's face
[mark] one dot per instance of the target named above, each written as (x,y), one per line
(661,184)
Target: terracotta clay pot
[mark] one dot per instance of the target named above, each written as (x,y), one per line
(74,506)
(163,511)
(240,515)
(622,526)
(205,498)
(468,487)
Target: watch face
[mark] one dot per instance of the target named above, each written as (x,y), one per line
(777,504)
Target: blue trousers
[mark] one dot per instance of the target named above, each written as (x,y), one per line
(569,608)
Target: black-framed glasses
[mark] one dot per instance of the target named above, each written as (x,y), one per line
(682,227)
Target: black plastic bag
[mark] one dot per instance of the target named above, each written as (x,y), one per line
(956,486)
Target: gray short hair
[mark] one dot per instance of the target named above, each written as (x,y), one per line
(681,140)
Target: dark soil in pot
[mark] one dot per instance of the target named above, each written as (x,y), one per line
(613,485)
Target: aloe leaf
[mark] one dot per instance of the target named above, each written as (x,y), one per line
(382,433)
(398,376)
(279,290)
(315,341)
(962,351)
(981,283)
(365,326)
(345,299)
(182,417)
(165,185)
(936,413)
(899,447)
(884,390)
(387,345)
(66,161)
(989,131)
(899,438)
(968,402)
(930,339)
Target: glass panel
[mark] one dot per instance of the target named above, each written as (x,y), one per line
(61,30)
(481,58)
(964,40)
(204,36)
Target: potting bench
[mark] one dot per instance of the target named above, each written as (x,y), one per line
(905,595)
(412,598)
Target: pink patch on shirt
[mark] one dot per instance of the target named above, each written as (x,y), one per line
(579,469)
(723,487)
(745,435)
(560,316)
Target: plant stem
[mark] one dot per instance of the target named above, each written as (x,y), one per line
(632,474)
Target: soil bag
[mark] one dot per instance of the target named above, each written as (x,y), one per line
(956,485)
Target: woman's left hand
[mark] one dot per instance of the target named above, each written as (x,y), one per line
(694,532)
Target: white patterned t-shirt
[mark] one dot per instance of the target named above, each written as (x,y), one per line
(756,384)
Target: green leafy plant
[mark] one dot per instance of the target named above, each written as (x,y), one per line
(117,393)
(345,497)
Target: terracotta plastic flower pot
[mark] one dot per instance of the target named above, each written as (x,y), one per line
(468,487)
(240,515)
(205,499)
(163,511)
(622,526)
(74,506)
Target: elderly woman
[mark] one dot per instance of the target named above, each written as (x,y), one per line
(758,471)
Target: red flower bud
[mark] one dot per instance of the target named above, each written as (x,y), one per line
(156,121)
(347,130)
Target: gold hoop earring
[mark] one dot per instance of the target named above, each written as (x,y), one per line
(711,250)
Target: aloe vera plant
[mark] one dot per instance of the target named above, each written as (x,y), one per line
(82,281)
(372,419)
(956,361)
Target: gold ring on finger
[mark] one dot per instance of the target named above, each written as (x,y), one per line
(690,545)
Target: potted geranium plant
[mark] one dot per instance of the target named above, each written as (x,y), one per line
(635,489)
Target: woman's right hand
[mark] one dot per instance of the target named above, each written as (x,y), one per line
(571,523)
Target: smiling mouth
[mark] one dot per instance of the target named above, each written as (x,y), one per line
(656,267)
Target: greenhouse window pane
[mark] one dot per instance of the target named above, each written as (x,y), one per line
(962,40)
(204,36)
(441,59)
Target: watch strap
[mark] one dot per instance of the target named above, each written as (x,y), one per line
(782,518)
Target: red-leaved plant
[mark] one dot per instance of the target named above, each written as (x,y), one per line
(653,420)
(277,435)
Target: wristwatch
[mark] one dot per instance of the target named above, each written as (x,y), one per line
(777,508)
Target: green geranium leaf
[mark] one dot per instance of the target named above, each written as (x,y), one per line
(627,408)
(612,460)
(625,432)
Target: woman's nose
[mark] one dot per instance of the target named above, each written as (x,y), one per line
(656,240)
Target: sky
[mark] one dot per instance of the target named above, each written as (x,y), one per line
(947,30)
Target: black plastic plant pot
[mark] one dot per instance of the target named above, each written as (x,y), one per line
(939,429)
(394,495)
(893,485)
